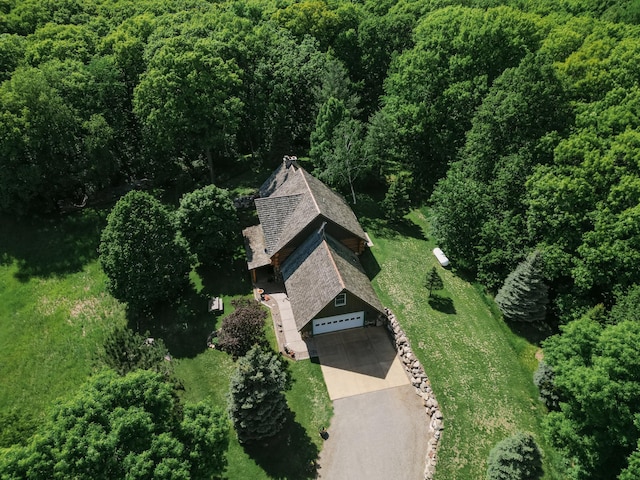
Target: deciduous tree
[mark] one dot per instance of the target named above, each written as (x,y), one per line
(144,260)
(132,426)
(242,329)
(208,220)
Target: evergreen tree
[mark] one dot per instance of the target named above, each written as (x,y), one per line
(543,378)
(515,458)
(524,295)
(257,405)
(397,201)
(434,281)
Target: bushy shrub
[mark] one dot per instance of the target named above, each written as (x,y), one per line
(515,458)
(243,328)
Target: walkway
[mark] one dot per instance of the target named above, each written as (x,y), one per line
(283,321)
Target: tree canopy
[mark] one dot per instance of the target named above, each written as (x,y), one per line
(141,254)
(131,426)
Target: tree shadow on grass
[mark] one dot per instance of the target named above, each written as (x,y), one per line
(183,326)
(229,279)
(376,220)
(51,245)
(533,333)
(289,455)
(442,304)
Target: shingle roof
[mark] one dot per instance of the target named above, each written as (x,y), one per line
(318,271)
(274,213)
(295,200)
(275,180)
(255,247)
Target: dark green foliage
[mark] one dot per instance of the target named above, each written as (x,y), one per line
(543,378)
(139,251)
(524,297)
(331,113)
(397,200)
(597,373)
(632,472)
(515,458)
(338,146)
(126,351)
(208,220)
(132,426)
(433,281)
(627,307)
(243,328)
(17,427)
(257,405)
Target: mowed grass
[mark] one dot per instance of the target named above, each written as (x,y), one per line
(55,314)
(481,372)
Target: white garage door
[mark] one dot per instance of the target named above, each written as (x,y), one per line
(338,322)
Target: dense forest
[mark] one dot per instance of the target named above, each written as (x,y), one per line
(517,122)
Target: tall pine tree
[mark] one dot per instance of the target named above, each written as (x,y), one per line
(524,295)
(257,405)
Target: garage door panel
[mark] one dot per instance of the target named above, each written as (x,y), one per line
(338,322)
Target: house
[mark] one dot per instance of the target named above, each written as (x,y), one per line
(310,239)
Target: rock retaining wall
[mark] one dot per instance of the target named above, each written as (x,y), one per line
(422,385)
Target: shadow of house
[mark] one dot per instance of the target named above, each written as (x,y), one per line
(310,239)
(371,354)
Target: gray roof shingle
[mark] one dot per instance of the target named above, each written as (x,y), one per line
(295,200)
(318,271)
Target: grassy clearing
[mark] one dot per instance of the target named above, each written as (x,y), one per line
(55,314)
(480,370)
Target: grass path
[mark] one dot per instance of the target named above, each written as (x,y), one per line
(480,371)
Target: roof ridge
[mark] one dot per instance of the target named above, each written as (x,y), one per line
(333,261)
(313,197)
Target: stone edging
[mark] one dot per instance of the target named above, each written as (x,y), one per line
(421,383)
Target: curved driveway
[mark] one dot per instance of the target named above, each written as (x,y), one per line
(379,430)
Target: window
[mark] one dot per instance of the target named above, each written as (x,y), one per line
(341,300)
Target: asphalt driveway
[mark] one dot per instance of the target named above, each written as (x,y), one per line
(379,430)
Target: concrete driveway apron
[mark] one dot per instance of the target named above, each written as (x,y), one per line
(379,430)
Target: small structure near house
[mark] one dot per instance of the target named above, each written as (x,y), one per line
(442,258)
(216,304)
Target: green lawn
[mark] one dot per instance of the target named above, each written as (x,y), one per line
(481,372)
(55,314)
